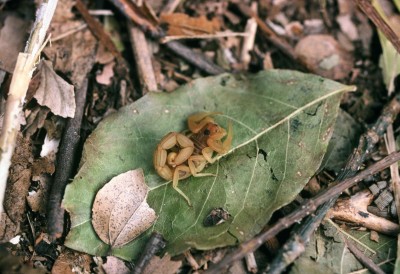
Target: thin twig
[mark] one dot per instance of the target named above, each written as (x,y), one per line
(24,68)
(304,210)
(381,24)
(66,163)
(97,30)
(367,262)
(143,57)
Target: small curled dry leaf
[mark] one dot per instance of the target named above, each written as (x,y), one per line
(120,211)
(54,92)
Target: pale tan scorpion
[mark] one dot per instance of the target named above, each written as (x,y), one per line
(179,156)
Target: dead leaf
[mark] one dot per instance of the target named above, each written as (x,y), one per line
(115,266)
(374,236)
(70,262)
(8,229)
(120,211)
(19,179)
(37,200)
(74,54)
(13,35)
(162,265)
(35,119)
(12,264)
(107,73)
(54,92)
(43,165)
(182,24)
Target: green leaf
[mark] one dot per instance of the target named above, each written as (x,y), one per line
(282,122)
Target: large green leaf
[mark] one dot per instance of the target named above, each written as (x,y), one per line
(282,123)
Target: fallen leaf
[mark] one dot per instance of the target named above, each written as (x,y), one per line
(282,122)
(120,210)
(182,24)
(19,179)
(13,35)
(54,92)
(374,236)
(37,200)
(43,165)
(115,266)
(7,229)
(74,54)
(69,262)
(12,264)
(106,74)
(162,265)
(35,119)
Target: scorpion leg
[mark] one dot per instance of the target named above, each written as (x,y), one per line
(181,172)
(196,164)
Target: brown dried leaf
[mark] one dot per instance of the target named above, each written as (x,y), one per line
(162,265)
(105,76)
(182,24)
(54,92)
(74,54)
(120,211)
(70,262)
(19,179)
(8,229)
(35,119)
(13,35)
(115,266)
(38,200)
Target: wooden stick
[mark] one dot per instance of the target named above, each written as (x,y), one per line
(381,24)
(143,58)
(367,262)
(66,163)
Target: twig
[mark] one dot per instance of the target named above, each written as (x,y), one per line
(248,41)
(132,12)
(195,58)
(203,36)
(69,32)
(366,143)
(374,16)
(155,244)
(270,35)
(66,163)
(306,209)
(251,263)
(170,6)
(142,55)
(367,262)
(19,84)
(97,30)
(354,210)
